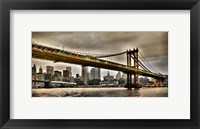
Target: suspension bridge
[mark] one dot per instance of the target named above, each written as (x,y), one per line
(137,64)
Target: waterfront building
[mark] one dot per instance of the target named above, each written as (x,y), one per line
(109,80)
(69,69)
(108,77)
(66,74)
(38,76)
(124,76)
(40,70)
(92,74)
(34,70)
(94,78)
(88,75)
(57,73)
(118,76)
(113,82)
(85,74)
(57,76)
(50,70)
(95,73)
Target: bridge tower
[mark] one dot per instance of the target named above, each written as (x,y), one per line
(132,56)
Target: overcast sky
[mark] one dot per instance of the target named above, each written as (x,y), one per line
(153,46)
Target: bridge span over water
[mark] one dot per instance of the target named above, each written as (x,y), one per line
(58,55)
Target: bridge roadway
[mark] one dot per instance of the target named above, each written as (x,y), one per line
(87,61)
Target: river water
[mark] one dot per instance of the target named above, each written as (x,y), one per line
(100,92)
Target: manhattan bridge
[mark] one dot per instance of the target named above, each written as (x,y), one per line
(137,64)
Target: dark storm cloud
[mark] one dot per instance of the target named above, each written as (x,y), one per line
(160,64)
(153,45)
(148,42)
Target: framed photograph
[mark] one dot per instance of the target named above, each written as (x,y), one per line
(99,64)
(74,72)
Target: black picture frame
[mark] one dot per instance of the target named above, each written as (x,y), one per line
(7,5)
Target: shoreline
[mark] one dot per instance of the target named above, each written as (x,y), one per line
(100,92)
(95,86)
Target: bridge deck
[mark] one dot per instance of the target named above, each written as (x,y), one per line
(78,59)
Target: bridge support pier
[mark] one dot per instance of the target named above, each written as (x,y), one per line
(48,78)
(129,83)
(46,85)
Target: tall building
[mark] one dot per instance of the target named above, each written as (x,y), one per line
(50,70)
(92,74)
(88,75)
(57,76)
(69,69)
(57,73)
(124,76)
(118,76)
(98,73)
(34,70)
(109,80)
(85,74)
(65,74)
(95,73)
(108,77)
(40,70)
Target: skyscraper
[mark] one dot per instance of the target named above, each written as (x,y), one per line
(85,74)
(57,73)
(118,76)
(124,76)
(34,70)
(65,74)
(95,73)
(57,76)
(88,75)
(40,70)
(92,74)
(108,77)
(69,69)
(50,70)
(98,73)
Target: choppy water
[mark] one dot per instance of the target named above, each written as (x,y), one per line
(100,92)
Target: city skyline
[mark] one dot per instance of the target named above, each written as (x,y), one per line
(115,76)
(44,70)
(60,66)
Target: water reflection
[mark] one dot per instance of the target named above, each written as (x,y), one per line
(100,92)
